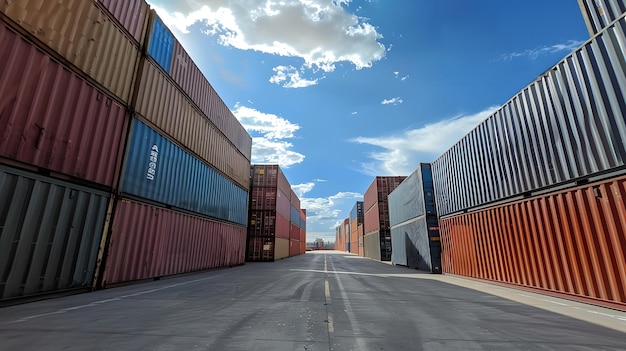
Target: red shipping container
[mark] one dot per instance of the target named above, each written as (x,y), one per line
(294,247)
(371,220)
(53,119)
(282,226)
(295,201)
(149,242)
(283,206)
(302,235)
(263,198)
(131,14)
(294,231)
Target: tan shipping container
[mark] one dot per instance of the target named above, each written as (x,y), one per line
(81,33)
(282,248)
(164,105)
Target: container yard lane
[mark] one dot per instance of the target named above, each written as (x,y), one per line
(323,300)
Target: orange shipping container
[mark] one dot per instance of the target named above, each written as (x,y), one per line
(84,35)
(164,105)
(570,242)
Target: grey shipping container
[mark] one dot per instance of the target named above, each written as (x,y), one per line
(598,14)
(50,236)
(564,127)
(413,221)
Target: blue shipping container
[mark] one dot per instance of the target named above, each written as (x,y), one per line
(157,169)
(295,217)
(161,46)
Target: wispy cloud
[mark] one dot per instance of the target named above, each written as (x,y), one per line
(393,101)
(533,54)
(332,35)
(401,153)
(269,134)
(290,77)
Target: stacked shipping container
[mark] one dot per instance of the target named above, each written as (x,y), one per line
(599,14)
(413,219)
(377,238)
(356,228)
(74,87)
(274,222)
(525,222)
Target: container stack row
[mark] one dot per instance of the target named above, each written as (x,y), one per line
(533,195)
(356,228)
(377,231)
(276,224)
(415,237)
(113,166)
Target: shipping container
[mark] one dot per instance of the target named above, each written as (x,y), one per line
(598,14)
(294,247)
(282,248)
(158,170)
(563,128)
(261,249)
(270,176)
(379,189)
(361,240)
(148,242)
(294,216)
(340,239)
(282,226)
(50,235)
(294,231)
(303,218)
(132,15)
(167,51)
(371,245)
(295,201)
(568,242)
(53,119)
(415,238)
(160,102)
(83,34)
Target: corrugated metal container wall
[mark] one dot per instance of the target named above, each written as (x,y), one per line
(263,198)
(566,125)
(262,223)
(131,14)
(371,245)
(53,119)
(282,248)
(600,13)
(372,219)
(340,241)
(294,231)
(161,102)
(303,238)
(161,43)
(570,242)
(172,57)
(282,204)
(294,247)
(85,36)
(407,200)
(294,216)
(157,169)
(361,241)
(295,201)
(282,226)
(51,232)
(303,219)
(148,242)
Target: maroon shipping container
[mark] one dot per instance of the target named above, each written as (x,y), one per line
(263,198)
(371,221)
(270,176)
(132,15)
(282,226)
(294,247)
(53,119)
(379,189)
(283,205)
(569,242)
(294,231)
(302,235)
(148,242)
(261,249)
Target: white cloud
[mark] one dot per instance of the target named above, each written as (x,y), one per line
(291,78)
(322,33)
(533,54)
(401,153)
(393,101)
(301,189)
(269,133)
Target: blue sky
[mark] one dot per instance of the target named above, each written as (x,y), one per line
(337,92)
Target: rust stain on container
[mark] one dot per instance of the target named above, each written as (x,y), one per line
(51,118)
(84,35)
(149,242)
(160,102)
(568,242)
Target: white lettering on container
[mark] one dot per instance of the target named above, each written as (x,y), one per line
(154,153)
